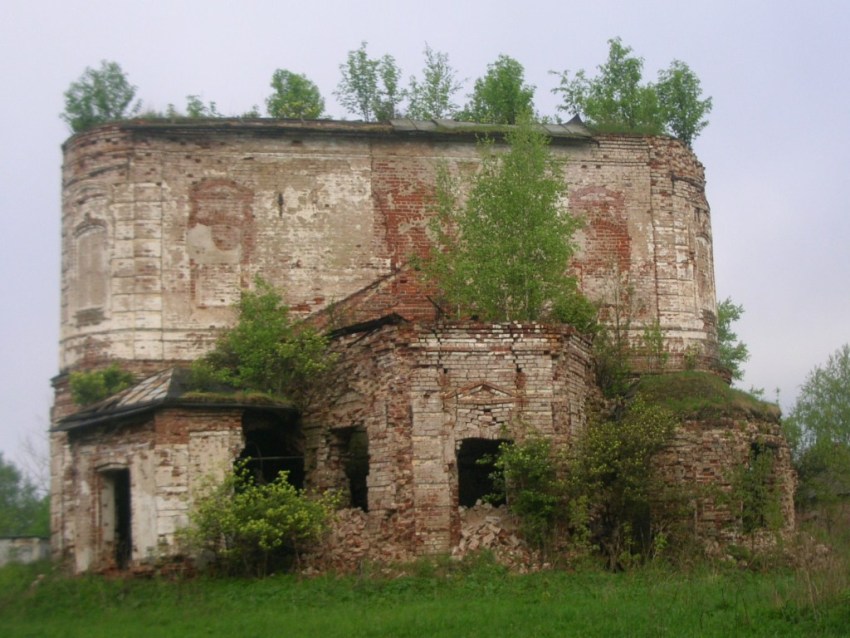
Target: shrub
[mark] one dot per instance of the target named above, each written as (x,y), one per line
(527,475)
(602,494)
(245,528)
(95,385)
(266,351)
(613,470)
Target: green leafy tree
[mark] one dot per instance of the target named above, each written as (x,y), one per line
(249,528)
(266,351)
(294,97)
(369,87)
(501,96)
(503,254)
(89,387)
(196,109)
(679,94)
(818,428)
(23,511)
(432,96)
(733,353)
(530,478)
(618,100)
(615,99)
(99,95)
(613,473)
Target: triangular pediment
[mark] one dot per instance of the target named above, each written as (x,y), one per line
(483,393)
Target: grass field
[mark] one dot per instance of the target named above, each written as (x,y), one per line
(474,599)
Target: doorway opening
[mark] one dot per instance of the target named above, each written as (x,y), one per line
(476,466)
(117,518)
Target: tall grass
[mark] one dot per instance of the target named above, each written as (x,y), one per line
(435,599)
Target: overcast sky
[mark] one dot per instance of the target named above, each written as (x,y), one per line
(775,152)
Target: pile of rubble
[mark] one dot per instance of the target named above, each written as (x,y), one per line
(485,527)
(347,546)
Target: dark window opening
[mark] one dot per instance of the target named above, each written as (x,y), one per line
(352,447)
(475,469)
(273,444)
(122,539)
(758,489)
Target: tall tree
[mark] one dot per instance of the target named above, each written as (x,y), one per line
(615,99)
(618,100)
(23,511)
(369,87)
(99,95)
(679,94)
(294,97)
(503,253)
(733,353)
(501,96)
(432,96)
(818,428)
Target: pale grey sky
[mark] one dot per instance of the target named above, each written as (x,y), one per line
(776,151)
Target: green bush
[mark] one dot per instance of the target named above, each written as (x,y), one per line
(613,471)
(266,351)
(95,385)
(527,476)
(241,527)
(600,495)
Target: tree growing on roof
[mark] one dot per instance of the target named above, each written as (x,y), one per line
(617,100)
(295,96)
(503,253)
(266,351)
(501,96)
(98,96)
(431,97)
(369,87)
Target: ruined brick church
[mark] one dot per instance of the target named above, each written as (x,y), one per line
(164,223)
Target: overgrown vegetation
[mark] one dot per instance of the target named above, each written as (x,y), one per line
(242,527)
(265,351)
(369,87)
(616,100)
(372,89)
(98,96)
(24,511)
(733,353)
(691,394)
(431,96)
(295,96)
(818,429)
(91,386)
(442,598)
(501,96)
(502,254)
(601,496)
(604,496)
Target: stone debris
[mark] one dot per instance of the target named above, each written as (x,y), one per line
(488,528)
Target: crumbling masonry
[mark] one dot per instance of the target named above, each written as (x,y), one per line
(163,224)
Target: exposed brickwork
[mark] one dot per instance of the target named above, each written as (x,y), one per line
(169,454)
(418,392)
(163,225)
(707,455)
